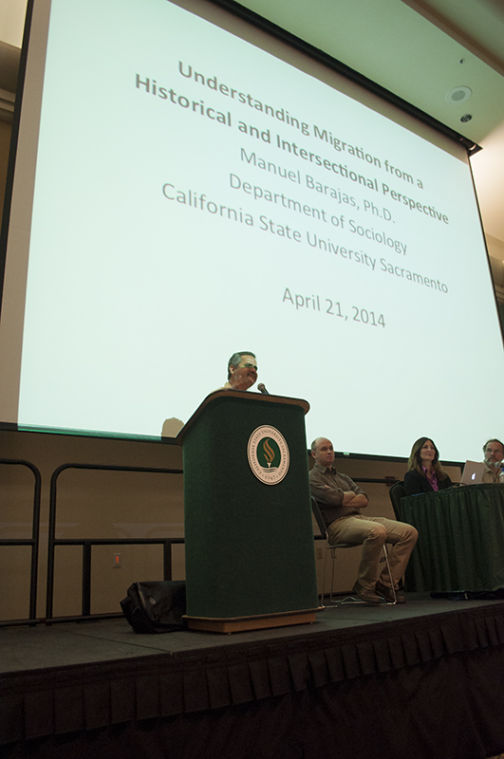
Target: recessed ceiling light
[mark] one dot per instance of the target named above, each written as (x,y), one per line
(458,94)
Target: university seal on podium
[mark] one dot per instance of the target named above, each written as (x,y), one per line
(268,454)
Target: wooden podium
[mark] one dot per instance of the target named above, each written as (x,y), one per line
(248,531)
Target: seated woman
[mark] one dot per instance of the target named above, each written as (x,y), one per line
(424,471)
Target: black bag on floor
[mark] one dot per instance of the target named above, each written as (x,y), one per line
(155,607)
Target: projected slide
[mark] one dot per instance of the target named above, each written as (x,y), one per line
(196,195)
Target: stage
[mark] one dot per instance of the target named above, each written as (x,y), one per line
(419,680)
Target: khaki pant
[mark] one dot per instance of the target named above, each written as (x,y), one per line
(372,533)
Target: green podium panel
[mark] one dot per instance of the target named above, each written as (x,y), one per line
(249,542)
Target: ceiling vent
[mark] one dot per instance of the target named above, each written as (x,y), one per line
(458,94)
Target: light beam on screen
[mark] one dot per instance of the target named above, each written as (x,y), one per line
(196,195)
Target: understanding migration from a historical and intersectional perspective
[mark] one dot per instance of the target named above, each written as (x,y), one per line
(226,199)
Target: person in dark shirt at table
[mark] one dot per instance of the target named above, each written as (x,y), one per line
(425,473)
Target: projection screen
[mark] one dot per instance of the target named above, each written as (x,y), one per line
(187,186)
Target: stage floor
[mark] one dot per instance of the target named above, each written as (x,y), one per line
(68,644)
(67,684)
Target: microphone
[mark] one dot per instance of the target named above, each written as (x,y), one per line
(262,388)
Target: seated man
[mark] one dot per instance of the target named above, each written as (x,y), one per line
(341,502)
(242,371)
(493,451)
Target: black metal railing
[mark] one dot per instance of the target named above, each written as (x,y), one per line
(32,542)
(88,543)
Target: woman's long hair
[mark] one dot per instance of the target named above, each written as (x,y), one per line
(415,462)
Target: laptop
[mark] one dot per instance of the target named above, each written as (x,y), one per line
(473,472)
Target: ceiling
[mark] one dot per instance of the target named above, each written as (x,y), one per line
(445,57)
(426,52)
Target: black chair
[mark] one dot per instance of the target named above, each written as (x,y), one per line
(332,547)
(396,492)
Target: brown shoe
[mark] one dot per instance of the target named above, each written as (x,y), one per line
(388,594)
(368,596)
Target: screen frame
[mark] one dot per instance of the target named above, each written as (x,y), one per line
(238,11)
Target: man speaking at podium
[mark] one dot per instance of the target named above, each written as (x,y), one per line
(242,371)
(341,501)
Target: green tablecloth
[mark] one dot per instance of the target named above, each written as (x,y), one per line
(461,538)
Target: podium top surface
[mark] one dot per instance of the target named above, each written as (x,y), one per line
(245,395)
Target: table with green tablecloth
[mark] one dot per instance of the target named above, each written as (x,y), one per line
(461,539)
